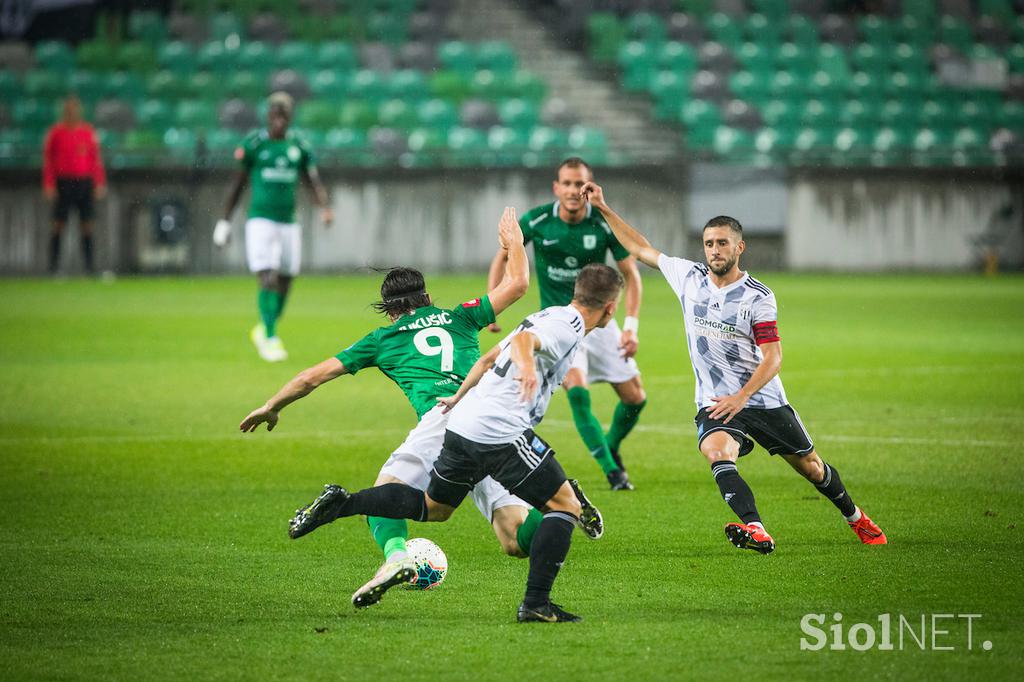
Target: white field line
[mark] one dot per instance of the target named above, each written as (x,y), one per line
(687,376)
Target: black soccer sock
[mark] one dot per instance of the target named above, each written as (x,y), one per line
(735,491)
(54,251)
(87,251)
(832,487)
(391,501)
(548,551)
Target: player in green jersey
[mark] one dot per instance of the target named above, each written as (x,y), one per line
(568,235)
(427,351)
(273,160)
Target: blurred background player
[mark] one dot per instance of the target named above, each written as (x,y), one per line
(273,160)
(568,235)
(427,351)
(73,177)
(732,334)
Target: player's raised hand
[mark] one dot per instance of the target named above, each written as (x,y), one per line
(259,416)
(593,193)
(727,407)
(509,232)
(629,343)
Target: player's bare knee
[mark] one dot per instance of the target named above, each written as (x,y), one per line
(631,392)
(812,468)
(437,511)
(574,378)
(268,279)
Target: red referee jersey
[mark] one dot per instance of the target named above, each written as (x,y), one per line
(72,152)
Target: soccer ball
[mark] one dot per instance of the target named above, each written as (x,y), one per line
(431,563)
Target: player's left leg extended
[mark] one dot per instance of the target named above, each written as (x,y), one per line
(826,479)
(550,548)
(588,426)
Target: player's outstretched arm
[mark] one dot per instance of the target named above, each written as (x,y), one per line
(302,385)
(630,340)
(516,278)
(633,241)
(476,372)
(222,230)
(312,178)
(727,407)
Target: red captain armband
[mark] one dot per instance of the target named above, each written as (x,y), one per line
(475,303)
(766,332)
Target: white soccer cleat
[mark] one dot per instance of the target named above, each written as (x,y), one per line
(222,233)
(273,350)
(401,572)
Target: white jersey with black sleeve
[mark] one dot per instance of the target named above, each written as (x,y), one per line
(724,330)
(492,411)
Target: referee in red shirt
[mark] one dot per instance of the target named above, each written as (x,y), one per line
(73,175)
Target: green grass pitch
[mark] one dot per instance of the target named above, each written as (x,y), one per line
(144,537)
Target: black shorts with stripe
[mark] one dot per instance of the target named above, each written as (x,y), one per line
(526,467)
(778,430)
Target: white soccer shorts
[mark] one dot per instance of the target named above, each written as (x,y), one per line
(600,358)
(273,246)
(414,459)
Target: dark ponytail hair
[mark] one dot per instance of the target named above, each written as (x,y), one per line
(403,290)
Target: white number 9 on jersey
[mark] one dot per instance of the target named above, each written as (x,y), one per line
(445,347)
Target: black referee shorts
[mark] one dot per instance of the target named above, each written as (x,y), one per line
(778,430)
(526,467)
(73,192)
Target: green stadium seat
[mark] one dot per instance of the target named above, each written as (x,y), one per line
(547,139)
(438,114)
(852,146)
(426,146)
(397,113)
(247,85)
(646,27)
(346,142)
(786,84)
(154,114)
(796,58)
(909,84)
(937,114)
(180,144)
(54,56)
(700,115)
(466,146)
(832,60)
(327,84)
(176,56)
(1015,58)
(636,53)
(773,9)
(43,84)
(778,113)
(256,55)
(676,56)
(755,57)
(336,56)
(221,144)
(108,139)
(821,86)
(497,56)
(864,84)
(1011,116)
(733,144)
(97,55)
(860,113)
(521,114)
(810,145)
(956,32)
(298,56)
(386,27)
(408,84)
(10,86)
(669,89)
(195,114)
(148,27)
(527,85)
(456,55)
(487,85)
(507,144)
(1001,9)
(761,29)
(605,34)
(316,115)
(204,86)
(803,31)
(450,85)
(932,147)
(122,85)
(820,114)
(136,56)
(876,30)
(725,30)
(699,8)
(749,86)
(227,25)
(590,143)
(368,85)
(34,114)
(920,9)
(165,85)
(870,59)
(913,31)
(357,113)
(213,56)
(909,58)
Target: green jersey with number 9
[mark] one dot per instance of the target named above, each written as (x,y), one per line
(427,352)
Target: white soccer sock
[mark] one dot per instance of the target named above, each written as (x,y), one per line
(857,513)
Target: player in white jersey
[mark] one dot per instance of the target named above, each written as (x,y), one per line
(491,434)
(733,339)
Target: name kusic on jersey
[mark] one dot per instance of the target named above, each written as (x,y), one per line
(561,250)
(427,352)
(492,412)
(274,167)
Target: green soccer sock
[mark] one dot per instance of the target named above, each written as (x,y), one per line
(623,422)
(590,429)
(281,298)
(524,535)
(268,304)
(389,534)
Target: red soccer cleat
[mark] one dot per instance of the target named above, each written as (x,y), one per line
(867,530)
(750,537)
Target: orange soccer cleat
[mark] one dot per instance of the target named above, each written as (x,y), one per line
(752,537)
(867,530)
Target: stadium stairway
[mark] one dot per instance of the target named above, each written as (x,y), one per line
(593,96)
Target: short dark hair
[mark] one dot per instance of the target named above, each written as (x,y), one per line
(403,290)
(597,285)
(726,221)
(574,162)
